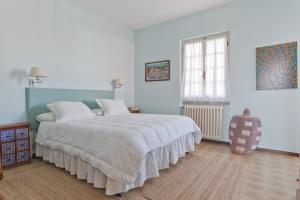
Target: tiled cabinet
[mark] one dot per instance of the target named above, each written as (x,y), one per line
(14,145)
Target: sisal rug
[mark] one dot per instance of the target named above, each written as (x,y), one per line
(197,178)
(194,177)
(210,173)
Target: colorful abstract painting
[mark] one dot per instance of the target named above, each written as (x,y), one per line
(276,67)
(157,71)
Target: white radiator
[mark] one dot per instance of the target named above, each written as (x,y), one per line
(208,118)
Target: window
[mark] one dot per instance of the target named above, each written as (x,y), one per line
(205,69)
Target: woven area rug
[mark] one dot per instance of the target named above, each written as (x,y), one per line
(198,178)
(194,177)
(210,173)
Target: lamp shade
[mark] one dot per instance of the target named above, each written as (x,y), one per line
(37,72)
(118,83)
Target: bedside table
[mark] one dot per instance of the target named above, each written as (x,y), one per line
(1,173)
(15,145)
(134,110)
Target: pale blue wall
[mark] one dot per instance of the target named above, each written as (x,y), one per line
(252,23)
(77,48)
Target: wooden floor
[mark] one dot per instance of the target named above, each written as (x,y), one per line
(211,172)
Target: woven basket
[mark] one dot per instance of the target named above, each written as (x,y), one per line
(244,133)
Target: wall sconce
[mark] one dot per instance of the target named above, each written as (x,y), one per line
(118,83)
(36,75)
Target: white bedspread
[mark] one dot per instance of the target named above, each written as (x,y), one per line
(116,145)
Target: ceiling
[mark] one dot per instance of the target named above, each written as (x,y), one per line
(139,14)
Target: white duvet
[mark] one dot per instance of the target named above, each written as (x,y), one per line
(116,145)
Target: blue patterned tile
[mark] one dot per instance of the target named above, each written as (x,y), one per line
(23,156)
(7,135)
(22,145)
(8,148)
(22,133)
(8,159)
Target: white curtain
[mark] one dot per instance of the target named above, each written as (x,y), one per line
(205,70)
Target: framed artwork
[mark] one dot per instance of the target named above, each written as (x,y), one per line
(276,67)
(157,71)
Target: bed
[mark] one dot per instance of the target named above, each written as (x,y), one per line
(117,153)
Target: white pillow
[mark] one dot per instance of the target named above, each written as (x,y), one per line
(46,117)
(112,107)
(98,112)
(65,111)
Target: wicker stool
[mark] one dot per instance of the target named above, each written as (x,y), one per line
(244,133)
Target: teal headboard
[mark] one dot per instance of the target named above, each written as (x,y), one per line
(38,98)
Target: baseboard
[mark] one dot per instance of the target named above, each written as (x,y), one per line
(215,141)
(258,149)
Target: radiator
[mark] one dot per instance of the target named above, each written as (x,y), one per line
(208,118)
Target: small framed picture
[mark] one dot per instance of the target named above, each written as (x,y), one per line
(157,71)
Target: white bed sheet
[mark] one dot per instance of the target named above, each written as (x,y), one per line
(119,146)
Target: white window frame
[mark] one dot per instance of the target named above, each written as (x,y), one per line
(206,100)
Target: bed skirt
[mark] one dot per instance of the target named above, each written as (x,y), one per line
(154,161)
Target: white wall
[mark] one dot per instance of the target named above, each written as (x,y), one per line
(252,23)
(77,48)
